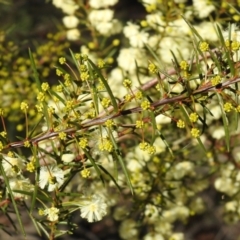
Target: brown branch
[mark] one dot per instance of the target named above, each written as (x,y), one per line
(99,121)
(102,118)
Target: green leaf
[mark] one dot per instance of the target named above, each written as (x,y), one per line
(226,51)
(216,61)
(57,95)
(165,142)
(105,83)
(120,160)
(193,29)
(94,165)
(225,122)
(221,38)
(13,221)
(112,178)
(33,65)
(6,181)
(35,127)
(153,54)
(175,60)
(33,219)
(201,144)
(154,124)
(76,62)
(44,229)
(95,95)
(185,113)
(35,192)
(191,62)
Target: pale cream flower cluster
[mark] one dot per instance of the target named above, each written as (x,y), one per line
(51,176)
(13,167)
(102,3)
(70,21)
(104,22)
(52,214)
(67,6)
(100,17)
(229,180)
(232,35)
(137,38)
(163,37)
(203,8)
(94,209)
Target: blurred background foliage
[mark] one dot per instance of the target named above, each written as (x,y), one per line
(37,25)
(27,25)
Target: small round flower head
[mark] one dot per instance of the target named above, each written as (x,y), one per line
(53,176)
(215,80)
(106,102)
(116,42)
(62,135)
(152,68)
(227,107)
(62,60)
(59,72)
(24,106)
(83,143)
(193,117)
(127,83)
(203,46)
(27,144)
(51,213)
(31,165)
(184,65)
(84,76)
(109,123)
(85,173)
(145,105)
(94,209)
(41,96)
(195,132)
(139,124)
(151,149)
(139,95)
(105,144)
(144,23)
(45,86)
(180,123)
